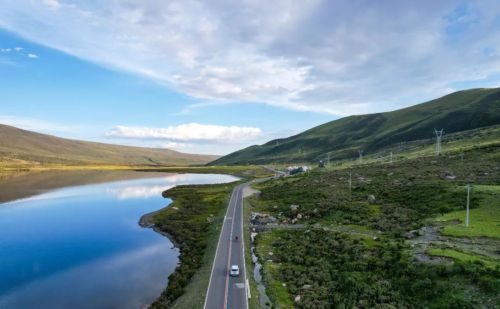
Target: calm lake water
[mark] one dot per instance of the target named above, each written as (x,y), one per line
(81,246)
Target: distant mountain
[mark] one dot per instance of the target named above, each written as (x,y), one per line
(459,111)
(19,146)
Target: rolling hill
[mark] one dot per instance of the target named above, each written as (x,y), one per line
(458,111)
(21,147)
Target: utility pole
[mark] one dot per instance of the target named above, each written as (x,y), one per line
(467,211)
(439,137)
(360,156)
(350,182)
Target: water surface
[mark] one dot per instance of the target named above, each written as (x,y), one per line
(81,246)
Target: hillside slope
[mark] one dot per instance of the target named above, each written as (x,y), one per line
(459,111)
(19,146)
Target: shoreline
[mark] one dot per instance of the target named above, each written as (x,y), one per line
(146,221)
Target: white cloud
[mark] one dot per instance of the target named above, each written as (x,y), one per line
(34,124)
(53,4)
(5,50)
(189,132)
(18,49)
(32,56)
(177,146)
(138,191)
(337,57)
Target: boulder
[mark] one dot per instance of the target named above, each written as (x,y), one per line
(371,199)
(411,234)
(447,175)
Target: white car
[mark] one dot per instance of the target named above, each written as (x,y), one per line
(235,271)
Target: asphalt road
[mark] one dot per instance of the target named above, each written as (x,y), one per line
(225,291)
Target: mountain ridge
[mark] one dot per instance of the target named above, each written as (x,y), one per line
(459,111)
(19,146)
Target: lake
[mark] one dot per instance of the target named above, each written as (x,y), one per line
(81,246)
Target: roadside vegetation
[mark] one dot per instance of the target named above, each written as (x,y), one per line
(188,220)
(394,238)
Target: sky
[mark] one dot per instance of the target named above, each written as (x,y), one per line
(217,76)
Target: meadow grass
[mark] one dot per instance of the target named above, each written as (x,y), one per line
(463,256)
(484,221)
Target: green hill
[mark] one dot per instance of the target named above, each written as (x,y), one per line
(459,111)
(21,147)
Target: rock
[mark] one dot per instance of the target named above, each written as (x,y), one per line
(252,236)
(294,220)
(299,216)
(371,199)
(175,208)
(284,284)
(306,286)
(411,234)
(294,207)
(262,219)
(315,210)
(390,174)
(447,175)
(297,298)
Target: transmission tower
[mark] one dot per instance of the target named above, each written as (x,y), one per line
(439,137)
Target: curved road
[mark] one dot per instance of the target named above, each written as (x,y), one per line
(223,290)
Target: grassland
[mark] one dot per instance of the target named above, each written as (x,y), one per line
(464,257)
(484,221)
(341,248)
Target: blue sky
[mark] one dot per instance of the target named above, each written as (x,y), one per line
(214,79)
